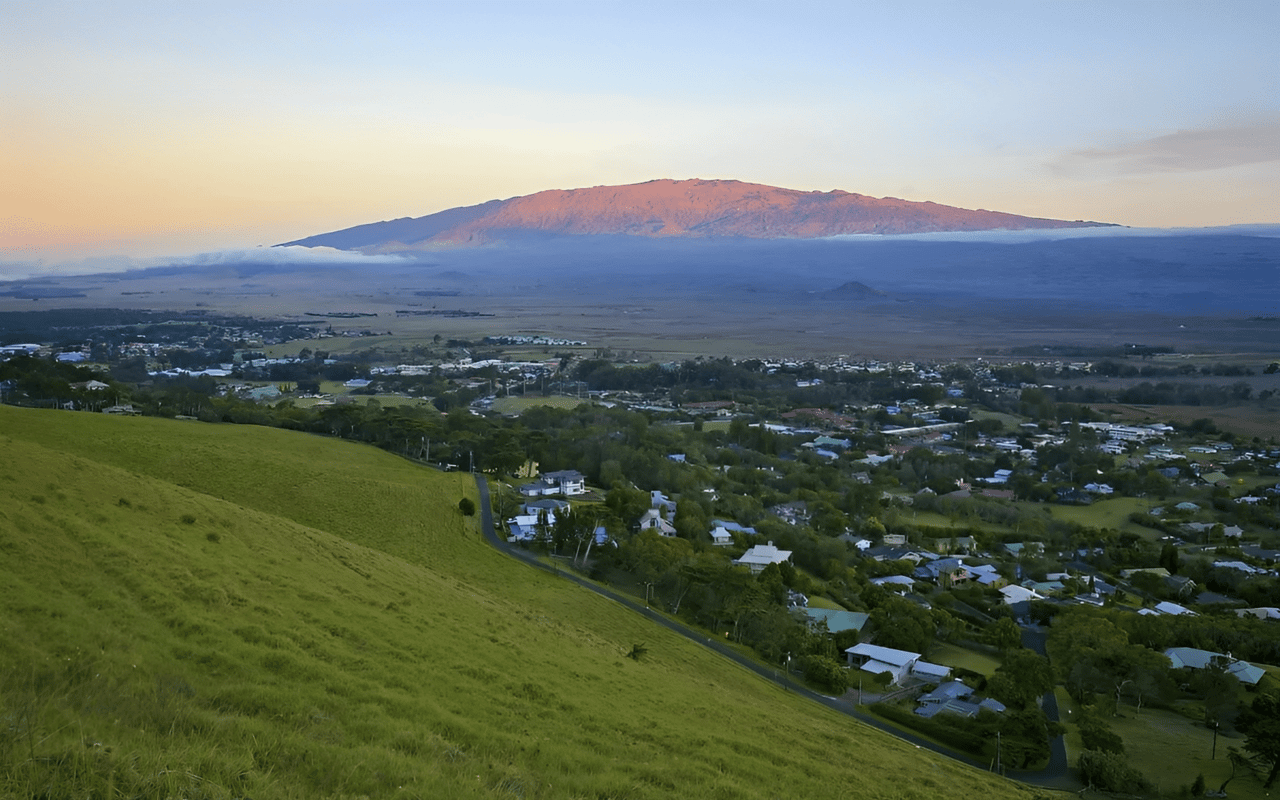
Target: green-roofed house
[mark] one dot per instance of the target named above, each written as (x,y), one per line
(838,620)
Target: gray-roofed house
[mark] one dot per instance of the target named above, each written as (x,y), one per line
(1193,658)
(898,664)
(761,556)
(953,697)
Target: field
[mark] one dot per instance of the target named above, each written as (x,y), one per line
(215,611)
(1110,513)
(1262,421)
(1170,750)
(517,405)
(952,655)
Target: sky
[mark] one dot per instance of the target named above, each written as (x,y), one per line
(146,129)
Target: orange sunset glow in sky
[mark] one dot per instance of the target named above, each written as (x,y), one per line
(147,129)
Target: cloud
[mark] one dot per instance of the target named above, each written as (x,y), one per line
(1058,234)
(1196,150)
(275,256)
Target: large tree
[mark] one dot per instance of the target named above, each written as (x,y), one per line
(1022,679)
(903,625)
(1261,726)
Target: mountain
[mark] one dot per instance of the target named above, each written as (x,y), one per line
(669,208)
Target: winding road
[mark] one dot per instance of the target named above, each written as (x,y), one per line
(1055,775)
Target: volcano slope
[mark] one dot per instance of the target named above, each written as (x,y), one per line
(216,611)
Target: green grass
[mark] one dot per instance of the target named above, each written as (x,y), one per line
(517,405)
(1109,513)
(953,655)
(822,602)
(1170,750)
(221,611)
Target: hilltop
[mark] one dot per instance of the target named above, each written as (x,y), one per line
(219,611)
(671,208)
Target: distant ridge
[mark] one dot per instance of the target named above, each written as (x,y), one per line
(854,290)
(671,208)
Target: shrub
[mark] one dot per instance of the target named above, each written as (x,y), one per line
(467,506)
(1110,773)
(825,673)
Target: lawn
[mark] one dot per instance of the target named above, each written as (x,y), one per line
(1111,513)
(517,405)
(822,602)
(1169,749)
(955,656)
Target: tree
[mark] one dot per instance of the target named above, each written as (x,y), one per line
(903,625)
(1095,735)
(1261,726)
(1110,773)
(1005,634)
(467,506)
(1021,679)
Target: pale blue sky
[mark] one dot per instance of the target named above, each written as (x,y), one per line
(148,128)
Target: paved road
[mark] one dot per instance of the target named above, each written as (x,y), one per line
(1054,775)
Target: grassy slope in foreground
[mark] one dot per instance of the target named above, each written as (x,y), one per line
(217,611)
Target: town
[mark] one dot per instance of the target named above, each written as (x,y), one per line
(960,549)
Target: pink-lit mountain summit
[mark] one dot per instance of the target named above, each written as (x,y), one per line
(670,208)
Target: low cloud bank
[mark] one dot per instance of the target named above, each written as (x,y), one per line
(276,256)
(1056,234)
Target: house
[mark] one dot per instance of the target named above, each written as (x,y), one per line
(945,572)
(550,506)
(1018,594)
(954,544)
(565,482)
(720,537)
(524,528)
(887,553)
(950,697)
(898,664)
(653,520)
(259,393)
(663,503)
(793,513)
(896,583)
(733,527)
(987,575)
(882,660)
(1193,658)
(1172,609)
(860,543)
(1001,476)
(761,556)
(1019,549)
(1262,612)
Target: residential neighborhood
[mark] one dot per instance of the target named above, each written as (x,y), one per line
(888,533)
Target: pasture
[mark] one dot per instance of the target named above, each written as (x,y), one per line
(215,611)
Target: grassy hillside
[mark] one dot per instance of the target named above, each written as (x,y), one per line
(194,611)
